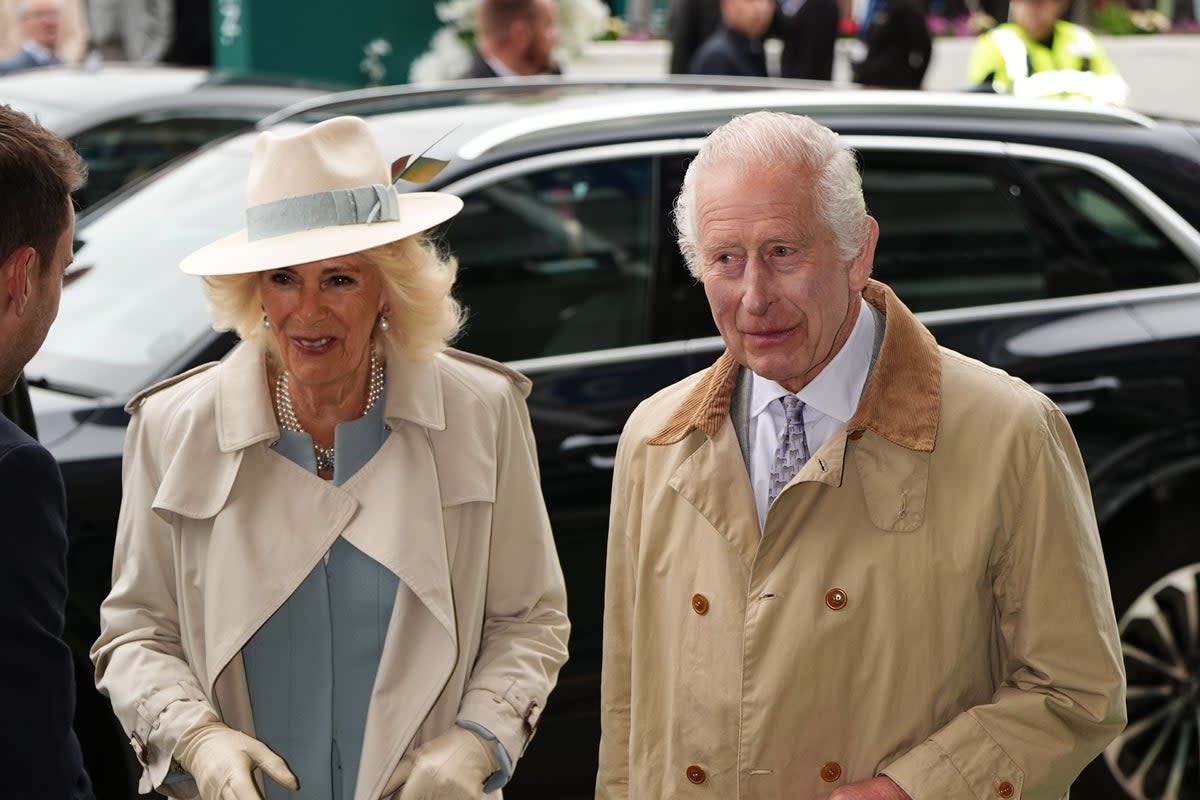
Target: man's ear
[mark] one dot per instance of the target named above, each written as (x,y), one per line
(15,277)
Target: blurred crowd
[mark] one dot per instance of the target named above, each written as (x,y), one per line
(45,32)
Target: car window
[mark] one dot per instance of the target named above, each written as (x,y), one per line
(129,310)
(1120,241)
(125,149)
(556,261)
(952,235)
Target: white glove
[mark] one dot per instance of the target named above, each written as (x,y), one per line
(221,761)
(452,766)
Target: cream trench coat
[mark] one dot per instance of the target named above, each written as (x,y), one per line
(927,598)
(217,530)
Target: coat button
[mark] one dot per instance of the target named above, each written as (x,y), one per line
(855,435)
(695,774)
(836,599)
(1005,789)
(700,604)
(831,771)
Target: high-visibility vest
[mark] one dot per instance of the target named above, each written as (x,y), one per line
(1072,67)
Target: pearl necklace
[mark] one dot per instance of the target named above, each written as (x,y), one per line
(325,456)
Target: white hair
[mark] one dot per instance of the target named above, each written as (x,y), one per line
(776,140)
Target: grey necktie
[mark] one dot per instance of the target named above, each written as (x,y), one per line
(792,452)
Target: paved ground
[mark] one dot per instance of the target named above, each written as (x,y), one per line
(1162,71)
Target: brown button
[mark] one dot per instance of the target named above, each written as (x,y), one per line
(696,774)
(1005,789)
(831,771)
(855,435)
(699,604)
(836,599)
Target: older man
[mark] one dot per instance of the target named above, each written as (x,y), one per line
(515,38)
(39,22)
(843,562)
(39,755)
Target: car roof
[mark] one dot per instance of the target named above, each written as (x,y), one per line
(479,118)
(69,98)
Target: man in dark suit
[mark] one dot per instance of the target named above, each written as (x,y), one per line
(39,21)
(736,47)
(39,754)
(809,30)
(690,22)
(515,38)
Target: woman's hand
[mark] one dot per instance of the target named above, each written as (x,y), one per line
(451,767)
(222,761)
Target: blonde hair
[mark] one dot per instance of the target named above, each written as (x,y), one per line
(424,318)
(786,142)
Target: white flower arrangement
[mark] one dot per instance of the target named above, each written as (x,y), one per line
(450,50)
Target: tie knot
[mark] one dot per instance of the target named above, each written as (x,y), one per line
(793,408)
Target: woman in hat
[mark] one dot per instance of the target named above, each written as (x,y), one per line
(333,561)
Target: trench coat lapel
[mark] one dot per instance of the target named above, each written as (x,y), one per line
(276,520)
(715,482)
(406,534)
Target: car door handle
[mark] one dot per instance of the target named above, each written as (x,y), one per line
(1078,397)
(585,441)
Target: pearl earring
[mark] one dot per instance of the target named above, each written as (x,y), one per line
(384,325)
(266,322)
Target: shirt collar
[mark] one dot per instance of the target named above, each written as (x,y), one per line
(499,67)
(836,389)
(40,54)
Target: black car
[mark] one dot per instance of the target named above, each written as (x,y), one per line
(1055,241)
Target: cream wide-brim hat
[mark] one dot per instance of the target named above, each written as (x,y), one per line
(308,197)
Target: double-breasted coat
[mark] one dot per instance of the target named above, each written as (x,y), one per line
(217,530)
(927,598)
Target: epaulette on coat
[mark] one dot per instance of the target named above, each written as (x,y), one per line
(139,398)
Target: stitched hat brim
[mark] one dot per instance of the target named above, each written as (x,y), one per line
(235,255)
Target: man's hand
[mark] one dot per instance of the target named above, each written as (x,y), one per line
(222,761)
(881,788)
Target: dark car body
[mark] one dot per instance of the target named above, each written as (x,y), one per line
(1057,242)
(126,120)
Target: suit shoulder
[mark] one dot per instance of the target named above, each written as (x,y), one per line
(181,385)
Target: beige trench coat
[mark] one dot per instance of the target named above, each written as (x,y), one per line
(216,531)
(927,598)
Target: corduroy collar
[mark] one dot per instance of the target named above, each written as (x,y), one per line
(901,401)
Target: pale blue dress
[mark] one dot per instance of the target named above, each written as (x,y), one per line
(311,667)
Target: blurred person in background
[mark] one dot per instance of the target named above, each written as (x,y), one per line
(515,38)
(71,34)
(1039,55)
(809,30)
(39,753)
(39,34)
(689,23)
(333,560)
(898,47)
(736,46)
(132,30)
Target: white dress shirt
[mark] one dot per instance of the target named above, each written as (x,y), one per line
(829,401)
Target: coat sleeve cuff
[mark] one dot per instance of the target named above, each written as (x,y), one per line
(162,718)
(959,762)
(504,772)
(511,717)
